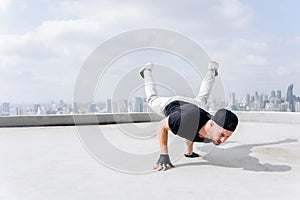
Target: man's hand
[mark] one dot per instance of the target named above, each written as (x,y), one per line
(163,163)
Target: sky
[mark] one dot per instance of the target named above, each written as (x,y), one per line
(44,43)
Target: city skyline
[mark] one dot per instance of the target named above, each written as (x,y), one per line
(239,95)
(275,100)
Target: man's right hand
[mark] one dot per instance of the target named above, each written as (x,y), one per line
(163,163)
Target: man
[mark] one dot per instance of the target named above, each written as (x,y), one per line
(185,117)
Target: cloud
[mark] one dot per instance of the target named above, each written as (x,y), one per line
(4,4)
(234,11)
(283,71)
(88,22)
(64,39)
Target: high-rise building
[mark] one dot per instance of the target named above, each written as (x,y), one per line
(289,97)
(273,94)
(297,107)
(114,107)
(231,101)
(62,104)
(248,99)
(123,106)
(92,108)
(252,99)
(256,97)
(138,104)
(261,102)
(37,108)
(75,108)
(283,107)
(108,106)
(5,109)
(278,94)
(270,107)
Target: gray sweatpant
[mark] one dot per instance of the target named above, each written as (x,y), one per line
(158,103)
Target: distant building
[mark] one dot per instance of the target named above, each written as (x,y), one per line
(123,106)
(256,97)
(5,109)
(261,102)
(283,107)
(270,107)
(108,106)
(278,94)
(248,100)
(138,104)
(231,100)
(75,108)
(37,109)
(115,107)
(289,98)
(273,93)
(297,107)
(92,108)
(17,111)
(62,104)
(254,106)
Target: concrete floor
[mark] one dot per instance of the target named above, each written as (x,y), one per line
(260,161)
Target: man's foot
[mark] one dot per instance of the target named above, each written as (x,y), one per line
(213,66)
(191,155)
(147,66)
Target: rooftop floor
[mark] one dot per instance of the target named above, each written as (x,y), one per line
(261,161)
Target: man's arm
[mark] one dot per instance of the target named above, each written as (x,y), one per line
(162,136)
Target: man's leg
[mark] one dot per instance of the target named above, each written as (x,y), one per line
(156,102)
(207,83)
(202,97)
(205,87)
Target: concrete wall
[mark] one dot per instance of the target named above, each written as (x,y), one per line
(270,117)
(71,120)
(108,118)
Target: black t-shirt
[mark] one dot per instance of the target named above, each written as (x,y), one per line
(186,119)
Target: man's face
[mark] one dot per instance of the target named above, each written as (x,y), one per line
(218,134)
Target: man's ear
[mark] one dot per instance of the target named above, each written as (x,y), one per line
(208,125)
(212,123)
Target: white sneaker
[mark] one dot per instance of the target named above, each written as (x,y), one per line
(147,66)
(213,66)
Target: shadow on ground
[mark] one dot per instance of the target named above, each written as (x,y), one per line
(239,157)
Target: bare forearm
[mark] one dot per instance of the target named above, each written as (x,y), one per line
(162,137)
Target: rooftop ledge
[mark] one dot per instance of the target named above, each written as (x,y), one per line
(113,118)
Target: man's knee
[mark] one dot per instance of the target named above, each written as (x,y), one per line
(151,99)
(202,100)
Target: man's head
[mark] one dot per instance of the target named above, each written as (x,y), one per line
(221,126)
(226,119)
